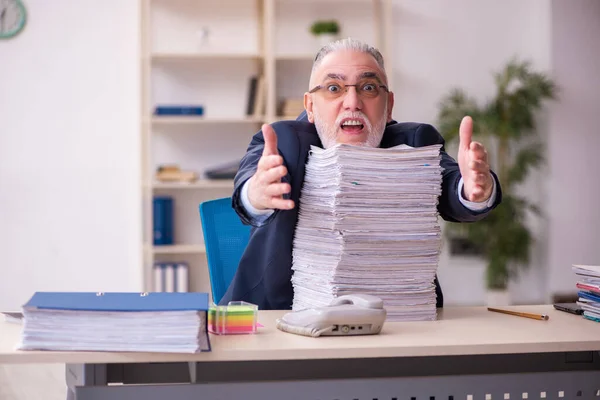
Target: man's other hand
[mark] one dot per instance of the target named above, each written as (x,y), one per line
(473,163)
(265,189)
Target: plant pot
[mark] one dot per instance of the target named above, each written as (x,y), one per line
(326,38)
(497,297)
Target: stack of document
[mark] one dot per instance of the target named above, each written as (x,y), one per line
(588,283)
(15,317)
(129,322)
(368,223)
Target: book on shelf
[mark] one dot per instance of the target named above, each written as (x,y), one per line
(163,220)
(257,96)
(251,95)
(171,277)
(178,110)
(260,100)
(291,107)
(174,173)
(124,322)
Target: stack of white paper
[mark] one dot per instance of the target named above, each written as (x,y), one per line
(163,332)
(588,283)
(368,223)
(133,322)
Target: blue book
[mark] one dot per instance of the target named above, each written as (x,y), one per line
(124,302)
(591,318)
(162,220)
(116,321)
(589,295)
(179,110)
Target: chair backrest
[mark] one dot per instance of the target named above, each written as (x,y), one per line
(225,238)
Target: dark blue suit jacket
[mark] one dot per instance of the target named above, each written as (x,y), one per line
(265,270)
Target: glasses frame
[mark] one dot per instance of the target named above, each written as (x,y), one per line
(319,87)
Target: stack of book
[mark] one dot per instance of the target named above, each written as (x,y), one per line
(172,173)
(368,223)
(135,322)
(588,283)
(292,107)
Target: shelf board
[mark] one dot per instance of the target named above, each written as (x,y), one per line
(295,57)
(285,118)
(180,249)
(302,2)
(200,184)
(182,120)
(202,56)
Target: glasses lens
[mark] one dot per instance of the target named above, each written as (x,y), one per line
(368,88)
(333,90)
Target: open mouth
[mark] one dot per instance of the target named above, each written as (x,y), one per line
(352,126)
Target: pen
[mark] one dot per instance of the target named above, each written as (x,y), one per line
(542,317)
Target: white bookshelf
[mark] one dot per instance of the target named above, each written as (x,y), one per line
(245,38)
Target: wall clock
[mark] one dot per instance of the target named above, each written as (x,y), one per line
(12,18)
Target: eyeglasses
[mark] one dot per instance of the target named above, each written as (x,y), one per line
(366,89)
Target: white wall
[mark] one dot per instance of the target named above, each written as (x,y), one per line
(440,44)
(574,181)
(69,163)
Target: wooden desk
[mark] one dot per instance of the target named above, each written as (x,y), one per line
(468,351)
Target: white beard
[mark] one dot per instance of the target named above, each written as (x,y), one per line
(327,133)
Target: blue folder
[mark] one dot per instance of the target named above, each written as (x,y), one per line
(179,110)
(116,301)
(589,295)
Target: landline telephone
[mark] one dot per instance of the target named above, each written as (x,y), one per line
(348,315)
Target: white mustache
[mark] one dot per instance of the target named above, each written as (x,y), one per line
(354,115)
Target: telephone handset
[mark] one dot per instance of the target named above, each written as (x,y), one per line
(361,300)
(353,314)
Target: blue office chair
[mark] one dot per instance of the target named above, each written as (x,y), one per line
(225,238)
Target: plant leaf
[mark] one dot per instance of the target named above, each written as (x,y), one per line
(526,159)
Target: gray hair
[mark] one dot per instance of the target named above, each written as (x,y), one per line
(347,44)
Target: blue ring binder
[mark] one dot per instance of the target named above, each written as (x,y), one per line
(162,220)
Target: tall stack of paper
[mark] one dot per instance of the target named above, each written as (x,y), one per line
(368,223)
(588,281)
(137,322)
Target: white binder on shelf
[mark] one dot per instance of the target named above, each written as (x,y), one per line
(159,277)
(181,277)
(169,278)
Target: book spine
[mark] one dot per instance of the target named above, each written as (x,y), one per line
(251,96)
(179,110)
(162,221)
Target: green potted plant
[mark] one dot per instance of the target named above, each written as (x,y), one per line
(325,31)
(506,123)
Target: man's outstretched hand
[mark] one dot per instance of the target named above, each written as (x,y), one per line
(473,163)
(265,189)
